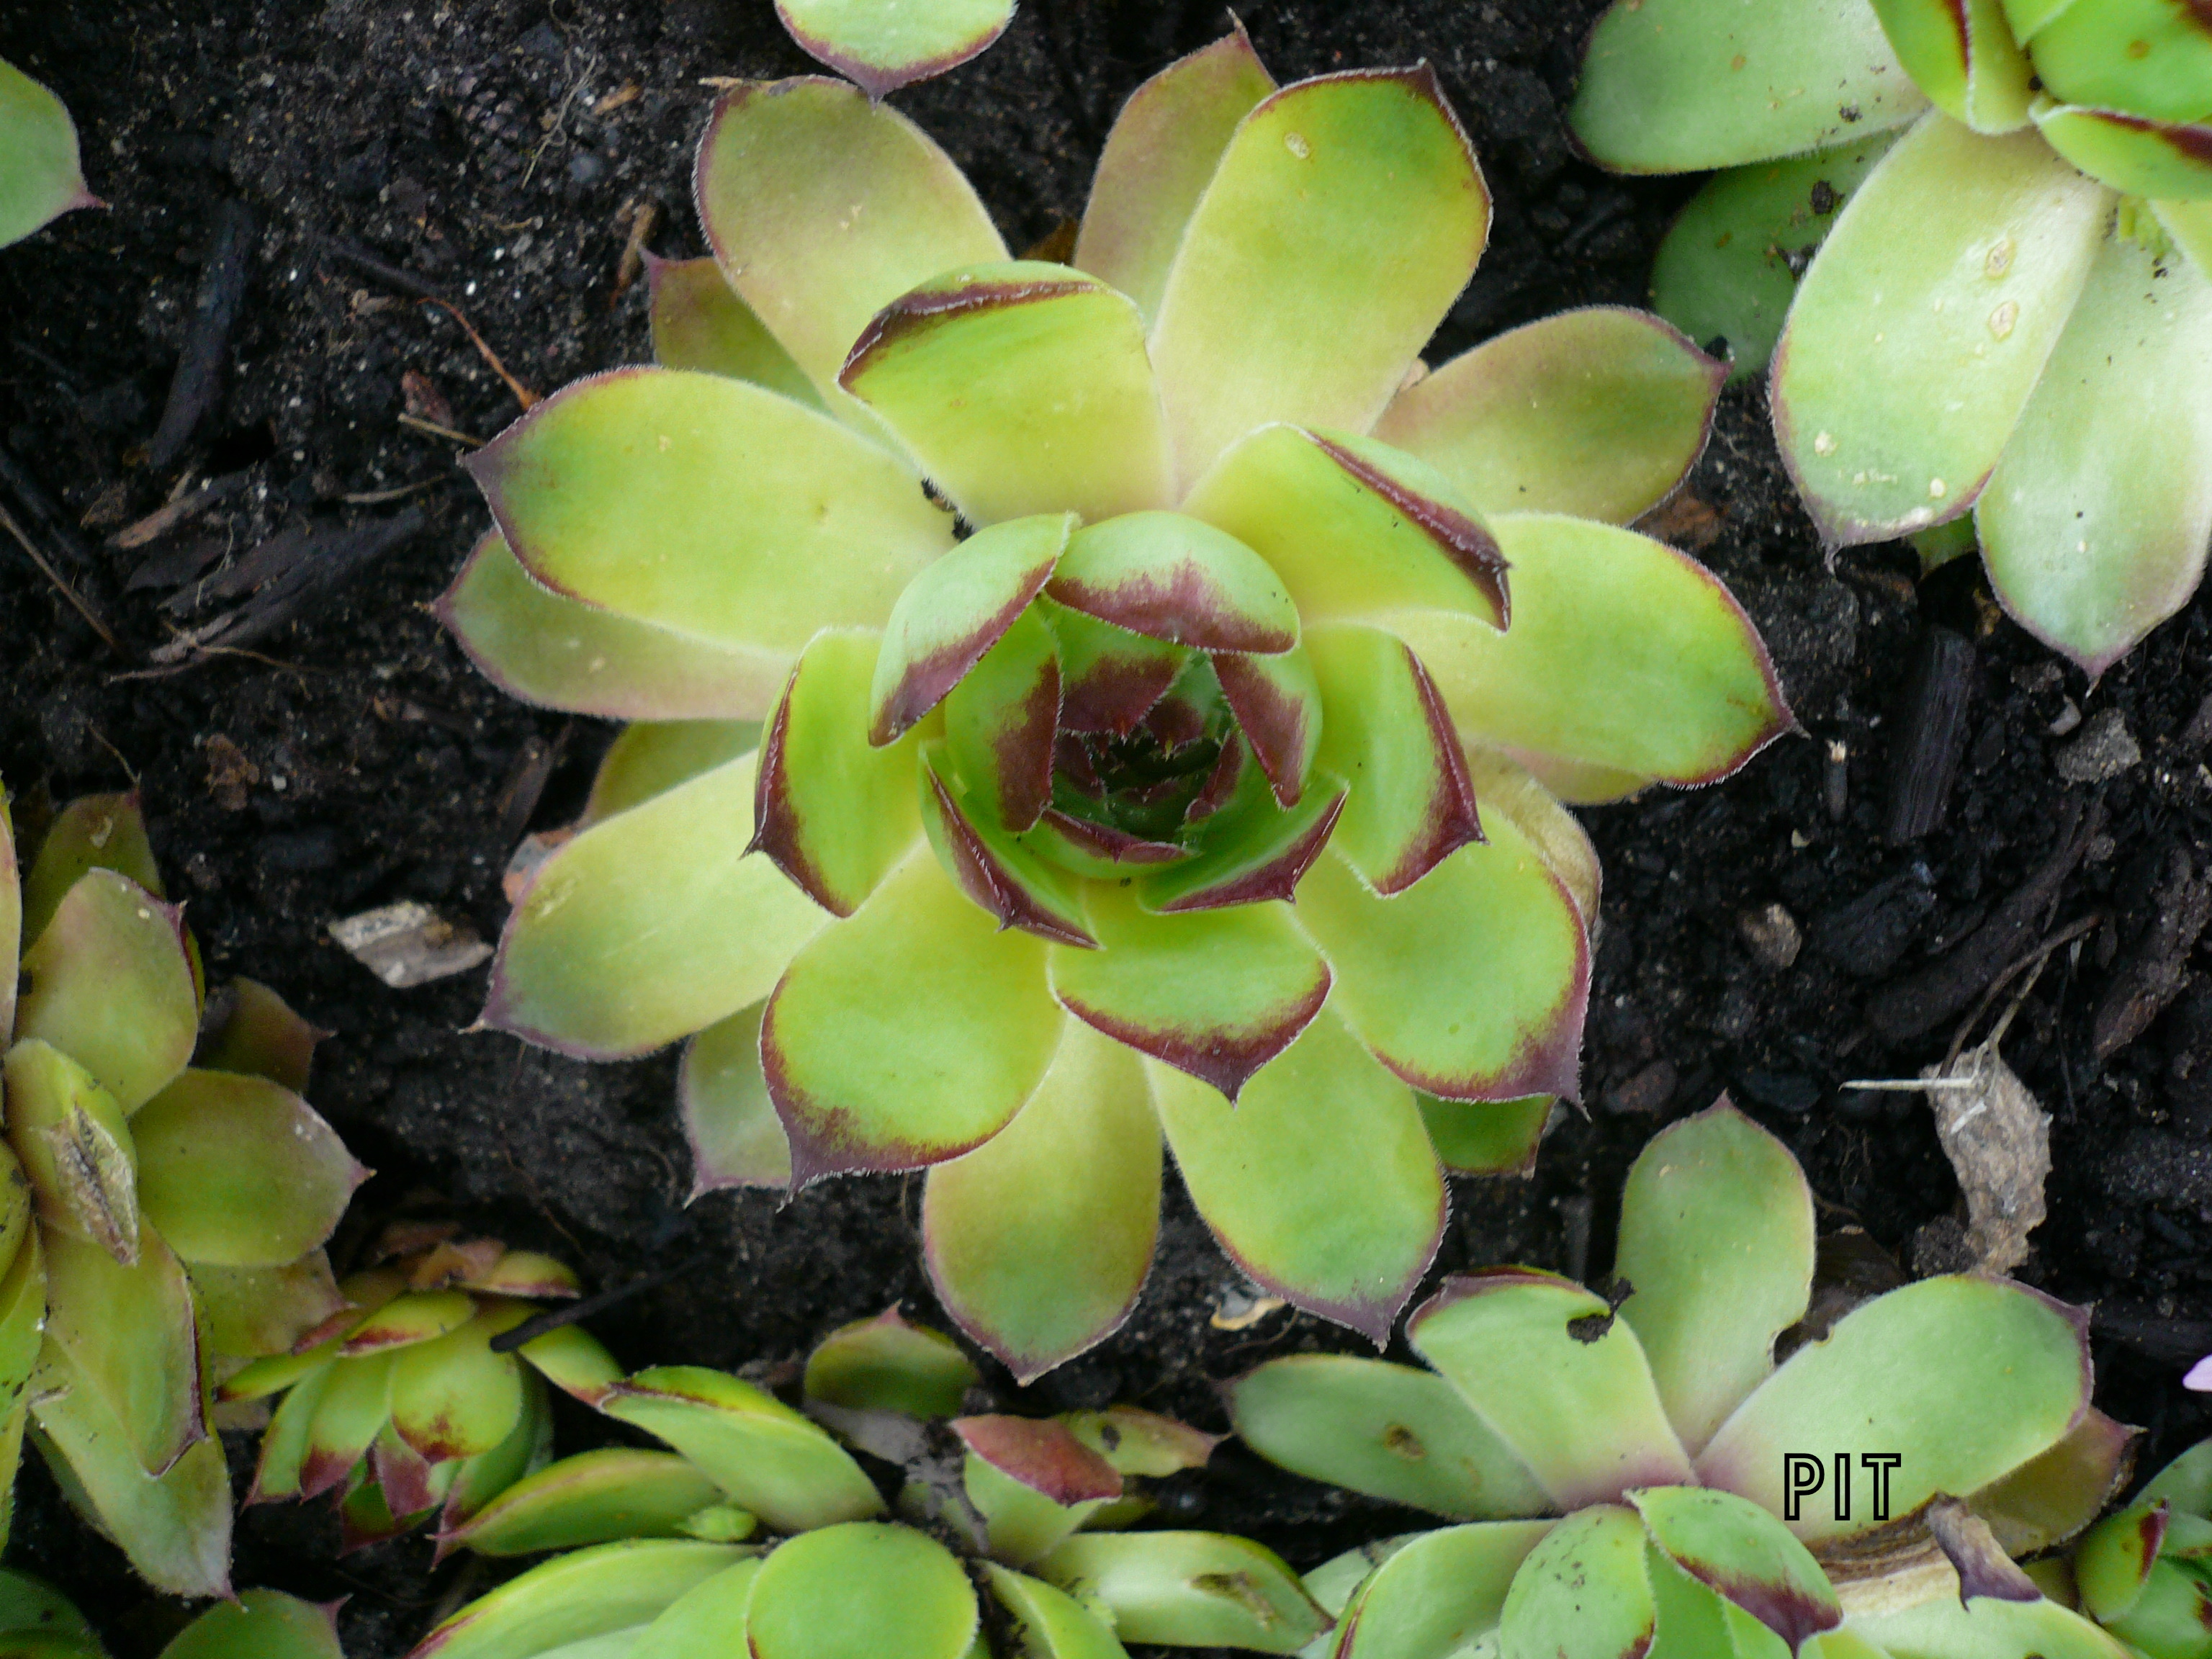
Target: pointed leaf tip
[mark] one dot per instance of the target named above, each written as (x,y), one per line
(880,47)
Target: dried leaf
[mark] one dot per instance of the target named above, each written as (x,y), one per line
(1997,1137)
(409,944)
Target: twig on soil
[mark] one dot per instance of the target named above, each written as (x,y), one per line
(391,276)
(62,587)
(163,519)
(291,571)
(196,387)
(437,431)
(2033,960)
(523,394)
(557,127)
(376,497)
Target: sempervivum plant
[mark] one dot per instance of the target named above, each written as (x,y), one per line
(40,178)
(1863,1497)
(763,1534)
(2145,1573)
(1096,612)
(2013,317)
(166,1194)
(38,1622)
(410,1402)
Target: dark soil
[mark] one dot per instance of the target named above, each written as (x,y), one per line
(456,140)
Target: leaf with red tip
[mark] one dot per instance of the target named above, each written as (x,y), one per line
(40,176)
(824,207)
(355,1404)
(699,322)
(559,652)
(1962,54)
(92,832)
(111,985)
(1345,217)
(1217,994)
(1172,577)
(1353,527)
(954,611)
(412,1317)
(1472,984)
(1020,388)
(735,1136)
(1000,724)
(1319,1182)
(255,1311)
(834,811)
(1163,152)
(453,1397)
(2130,152)
(1984,1570)
(1387,735)
(1038,1241)
(1088,847)
(1251,849)
(908,1035)
(1277,706)
(403,1476)
(1110,678)
(1005,875)
(1042,1454)
(1599,412)
(880,46)
(661,904)
(131,1333)
(2050,1498)
(526,1273)
(1740,1552)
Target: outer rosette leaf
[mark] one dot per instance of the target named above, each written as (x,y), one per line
(1039,1239)
(1741,1553)
(1583,1592)
(708,1618)
(1272,310)
(2096,523)
(247,1028)
(736,1138)
(1439,1594)
(650,924)
(1964,57)
(40,178)
(1924,323)
(885,1363)
(1717,1239)
(1487,1137)
(593,1498)
(709,507)
(1387,1431)
(1049,1623)
(129,1334)
(2189,225)
(1558,1377)
(1887,1381)
(111,985)
(72,1150)
(1676,86)
(252,1312)
(261,1624)
(1033,1482)
(700,322)
(1177,579)
(2051,1498)
(1217,994)
(576,1597)
(11,914)
(908,1034)
(1187,1590)
(1021,388)
(652,757)
(2154,159)
(1671,679)
(1472,983)
(1942,1628)
(1319,1182)
(452,1397)
(880,46)
(557,653)
(855,1591)
(1163,152)
(824,207)
(1599,412)
(92,832)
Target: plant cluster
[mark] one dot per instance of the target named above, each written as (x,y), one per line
(40,178)
(2145,1573)
(38,1622)
(2013,315)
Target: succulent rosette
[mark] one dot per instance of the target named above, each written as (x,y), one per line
(1635,1474)
(415,1402)
(2145,1572)
(167,1191)
(36,1621)
(1095,613)
(40,178)
(762,1534)
(2009,310)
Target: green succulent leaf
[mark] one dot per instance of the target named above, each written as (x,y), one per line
(412,1317)
(74,1149)
(1175,578)
(1319,1182)
(1164,150)
(1673,679)
(1324,185)
(730,1122)
(880,46)
(40,178)
(1187,1590)
(1727,269)
(847,1591)
(1859,1392)
(2114,1561)
(1302,499)
(824,206)
(1716,1243)
(999,722)
(1964,57)
(1924,323)
(1941,1628)
(1217,994)
(355,1405)
(885,1363)
(2154,159)
(111,985)
(1599,412)
(2096,521)
(2189,225)
(710,507)
(2144,56)
(1038,1241)
(1583,1592)
(708,1618)
(1278,705)
(908,1034)
(1009,876)
(255,1311)
(576,1597)
(1555,1375)
(1487,1137)
(1390,1432)
(1441,1591)
(1048,1622)
(1741,1553)
(279,1473)
(620,1492)
(1033,1482)
(239,1172)
(2185,1483)
(654,757)
(1138,1442)
(1470,984)
(574,1361)
(649,925)
(764,1455)
(1676,86)
(2050,1498)
(92,832)
(22,1323)
(31,1607)
(452,1397)
(700,322)
(476,1480)
(129,1336)
(247,1028)
(1020,388)
(559,652)
(261,1624)
(2169,1619)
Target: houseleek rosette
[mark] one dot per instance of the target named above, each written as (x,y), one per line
(166,1198)
(2145,1572)
(2012,316)
(402,1406)
(36,1621)
(40,178)
(1003,1537)
(1095,613)
(1617,1463)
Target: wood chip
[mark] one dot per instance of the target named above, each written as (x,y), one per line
(409,944)
(1997,1137)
